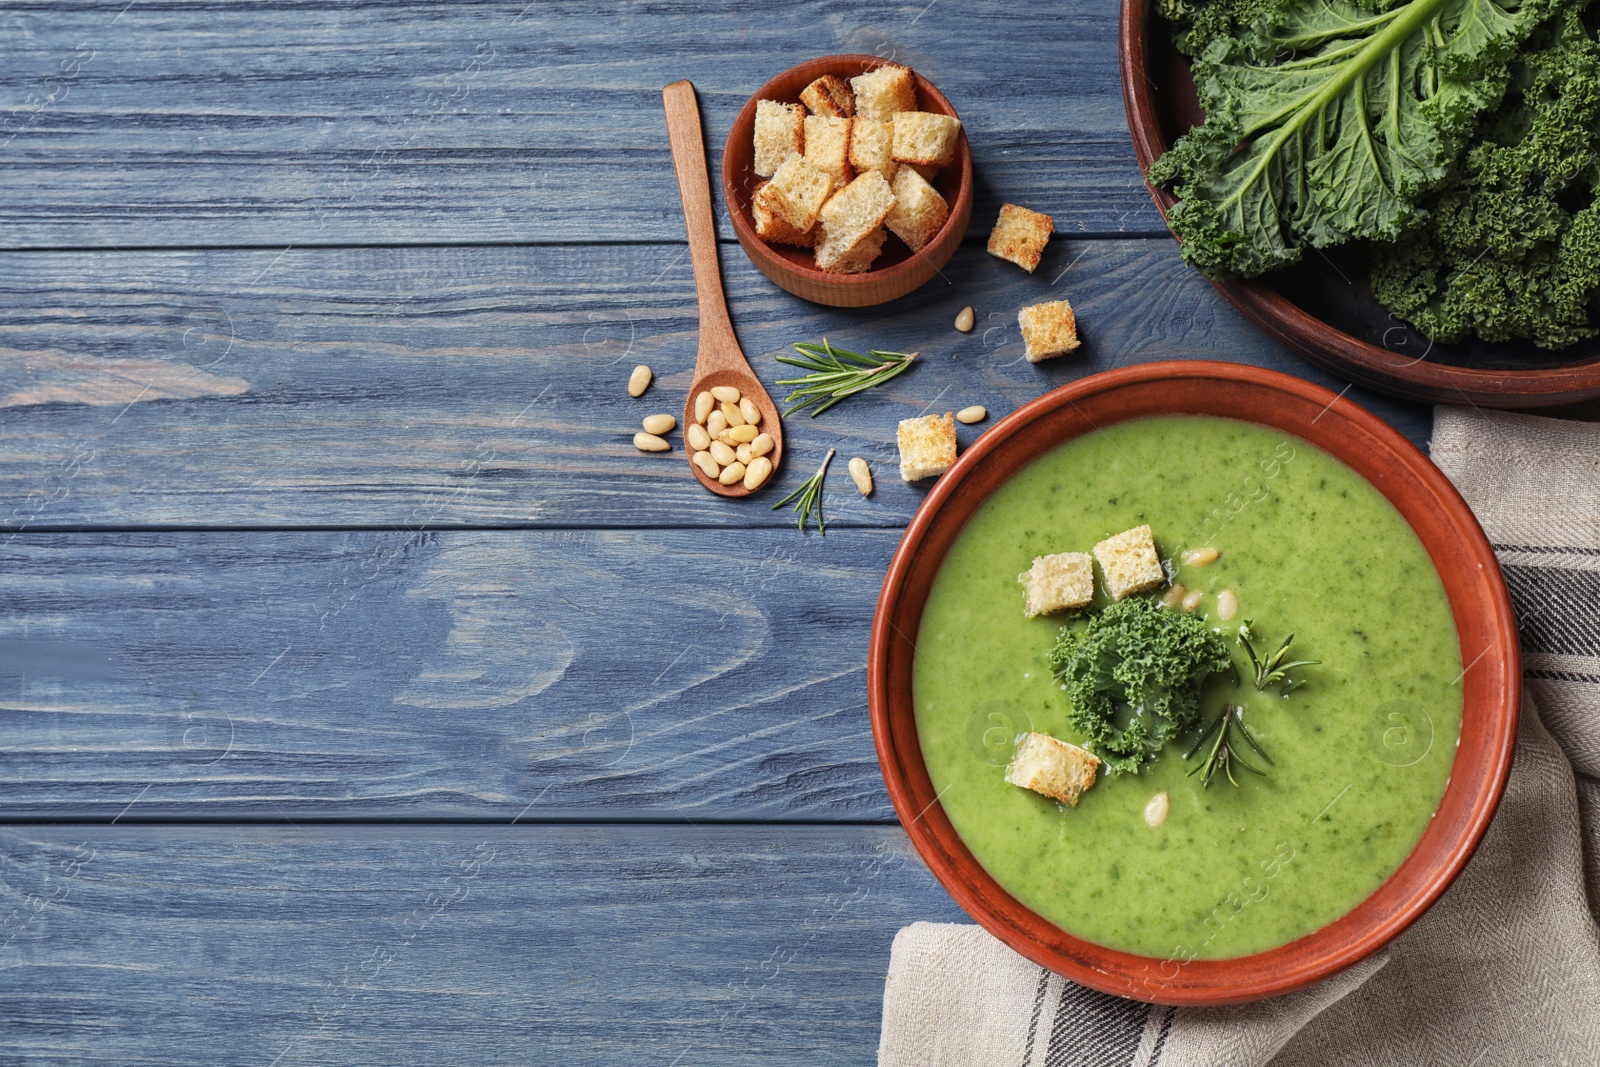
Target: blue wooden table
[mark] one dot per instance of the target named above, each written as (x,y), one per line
(367,698)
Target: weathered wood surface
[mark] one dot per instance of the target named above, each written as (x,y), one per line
(301,122)
(394,675)
(424,945)
(427,387)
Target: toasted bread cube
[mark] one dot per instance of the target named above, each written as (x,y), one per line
(857,210)
(919,211)
(885,91)
(1129,562)
(770,225)
(839,258)
(1062,582)
(780,133)
(872,147)
(1020,235)
(829,95)
(1048,329)
(828,147)
(798,192)
(927,446)
(925,139)
(1054,768)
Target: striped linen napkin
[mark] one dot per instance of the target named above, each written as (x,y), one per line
(1504,969)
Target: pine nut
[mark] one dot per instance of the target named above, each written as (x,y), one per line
(733,472)
(708,465)
(861,474)
(649,442)
(965,320)
(743,434)
(697,437)
(726,393)
(1227,605)
(1199,557)
(1173,597)
(727,438)
(639,380)
(1192,600)
(1155,812)
(742,453)
(976,413)
(723,454)
(761,445)
(716,422)
(703,403)
(748,409)
(659,424)
(732,413)
(755,475)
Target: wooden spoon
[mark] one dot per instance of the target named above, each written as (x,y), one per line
(721,361)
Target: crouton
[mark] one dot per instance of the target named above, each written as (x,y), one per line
(1020,235)
(856,210)
(770,225)
(1054,768)
(1129,562)
(872,146)
(925,139)
(919,211)
(1062,582)
(829,95)
(1048,329)
(885,91)
(780,133)
(927,446)
(828,147)
(798,192)
(839,258)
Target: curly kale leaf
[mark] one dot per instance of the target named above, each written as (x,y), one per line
(1326,121)
(1199,22)
(1133,677)
(1511,245)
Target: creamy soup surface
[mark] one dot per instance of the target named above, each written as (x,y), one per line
(1361,751)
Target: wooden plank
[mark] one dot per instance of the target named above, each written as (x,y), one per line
(422,945)
(426,387)
(298,122)
(403,675)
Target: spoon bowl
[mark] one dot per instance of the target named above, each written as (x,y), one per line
(744,380)
(720,360)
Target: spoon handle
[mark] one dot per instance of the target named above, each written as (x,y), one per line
(694,188)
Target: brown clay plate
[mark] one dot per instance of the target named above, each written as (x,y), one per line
(898,270)
(1447,529)
(1322,307)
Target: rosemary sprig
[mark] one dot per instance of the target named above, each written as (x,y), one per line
(837,373)
(1273,669)
(810,494)
(1228,728)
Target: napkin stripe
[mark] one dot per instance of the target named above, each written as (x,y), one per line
(1094,1029)
(1558,609)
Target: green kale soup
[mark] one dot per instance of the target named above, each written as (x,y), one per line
(1361,748)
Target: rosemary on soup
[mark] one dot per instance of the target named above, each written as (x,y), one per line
(1224,734)
(1272,670)
(810,494)
(837,373)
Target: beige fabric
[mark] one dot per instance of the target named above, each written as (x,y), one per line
(1505,969)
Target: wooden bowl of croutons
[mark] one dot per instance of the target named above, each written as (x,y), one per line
(849,180)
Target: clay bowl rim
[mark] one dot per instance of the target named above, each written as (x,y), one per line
(1311,337)
(1479,602)
(742,132)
